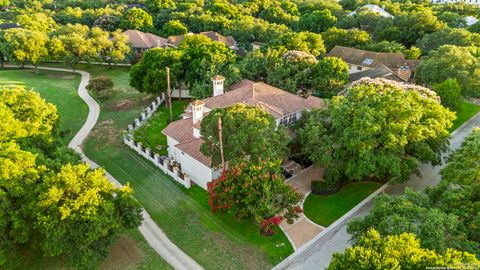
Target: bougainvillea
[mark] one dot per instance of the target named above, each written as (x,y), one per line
(255,190)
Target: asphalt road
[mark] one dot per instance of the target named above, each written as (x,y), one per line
(319,254)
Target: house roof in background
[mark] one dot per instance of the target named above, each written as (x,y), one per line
(275,100)
(139,39)
(373,8)
(371,59)
(380,71)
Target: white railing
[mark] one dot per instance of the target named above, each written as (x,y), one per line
(167,165)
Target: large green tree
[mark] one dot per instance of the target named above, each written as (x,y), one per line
(458,37)
(293,72)
(397,252)
(255,190)
(377,129)
(247,131)
(448,61)
(347,38)
(458,191)
(412,212)
(149,75)
(330,75)
(317,21)
(137,19)
(311,43)
(22,45)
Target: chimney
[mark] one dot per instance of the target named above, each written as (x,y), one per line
(404,72)
(197,111)
(218,85)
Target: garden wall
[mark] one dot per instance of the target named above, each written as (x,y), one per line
(167,165)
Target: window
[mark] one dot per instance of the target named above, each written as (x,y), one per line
(367,61)
(359,68)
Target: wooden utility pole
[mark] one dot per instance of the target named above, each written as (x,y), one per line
(221,140)
(169,93)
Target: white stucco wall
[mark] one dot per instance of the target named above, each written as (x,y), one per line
(199,173)
(354,68)
(171,147)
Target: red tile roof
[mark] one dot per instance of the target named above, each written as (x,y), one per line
(180,130)
(192,148)
(138,39)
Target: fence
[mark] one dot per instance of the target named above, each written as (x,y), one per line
(167,165)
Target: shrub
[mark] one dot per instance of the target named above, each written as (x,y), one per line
(102,87)
(450,93)
(325,187)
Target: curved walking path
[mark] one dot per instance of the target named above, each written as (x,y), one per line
(155,237)
(317,253)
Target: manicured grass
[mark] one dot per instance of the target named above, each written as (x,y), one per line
(131,251)
(466,111)
(150,133)
(213,240)
(58,88)
(324,210)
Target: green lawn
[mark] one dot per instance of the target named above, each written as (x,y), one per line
(55,87)
(466,111)
(59,88)
(150,133)
(324,210)
(213,240)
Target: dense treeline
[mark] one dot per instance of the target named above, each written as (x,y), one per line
(49,199)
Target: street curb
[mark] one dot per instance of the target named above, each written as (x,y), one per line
(283,264)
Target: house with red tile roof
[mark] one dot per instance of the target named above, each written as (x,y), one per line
(184,137)
(140,41)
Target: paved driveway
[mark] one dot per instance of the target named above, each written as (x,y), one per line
(319,254)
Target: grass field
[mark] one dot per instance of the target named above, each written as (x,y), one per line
(56,87)
(466,111)
(150,133)
(131,251)
(214,241)
(324,210)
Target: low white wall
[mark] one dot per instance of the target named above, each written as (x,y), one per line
(167,165)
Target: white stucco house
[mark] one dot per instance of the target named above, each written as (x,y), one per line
(184,137)
(373,8)
(472,2)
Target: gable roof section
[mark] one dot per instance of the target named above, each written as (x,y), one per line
(373,8)
(276,101)
(192,148)
(380,71)
(138,39)
(229,40)
(361,58)
(180,130)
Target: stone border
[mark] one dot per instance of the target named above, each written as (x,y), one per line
(167,165)
(332,226)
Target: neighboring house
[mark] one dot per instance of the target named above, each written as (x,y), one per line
(6,26)
(184,138)
(174,41)
(361,60)
(257,45)
(380,71)
(140,41)
(470,20)
(373,8)
(472,2)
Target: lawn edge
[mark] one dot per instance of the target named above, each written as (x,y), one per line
(332,226)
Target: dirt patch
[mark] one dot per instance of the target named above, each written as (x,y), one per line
(105,132)
(123,255)
(61,76)
(122,105)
